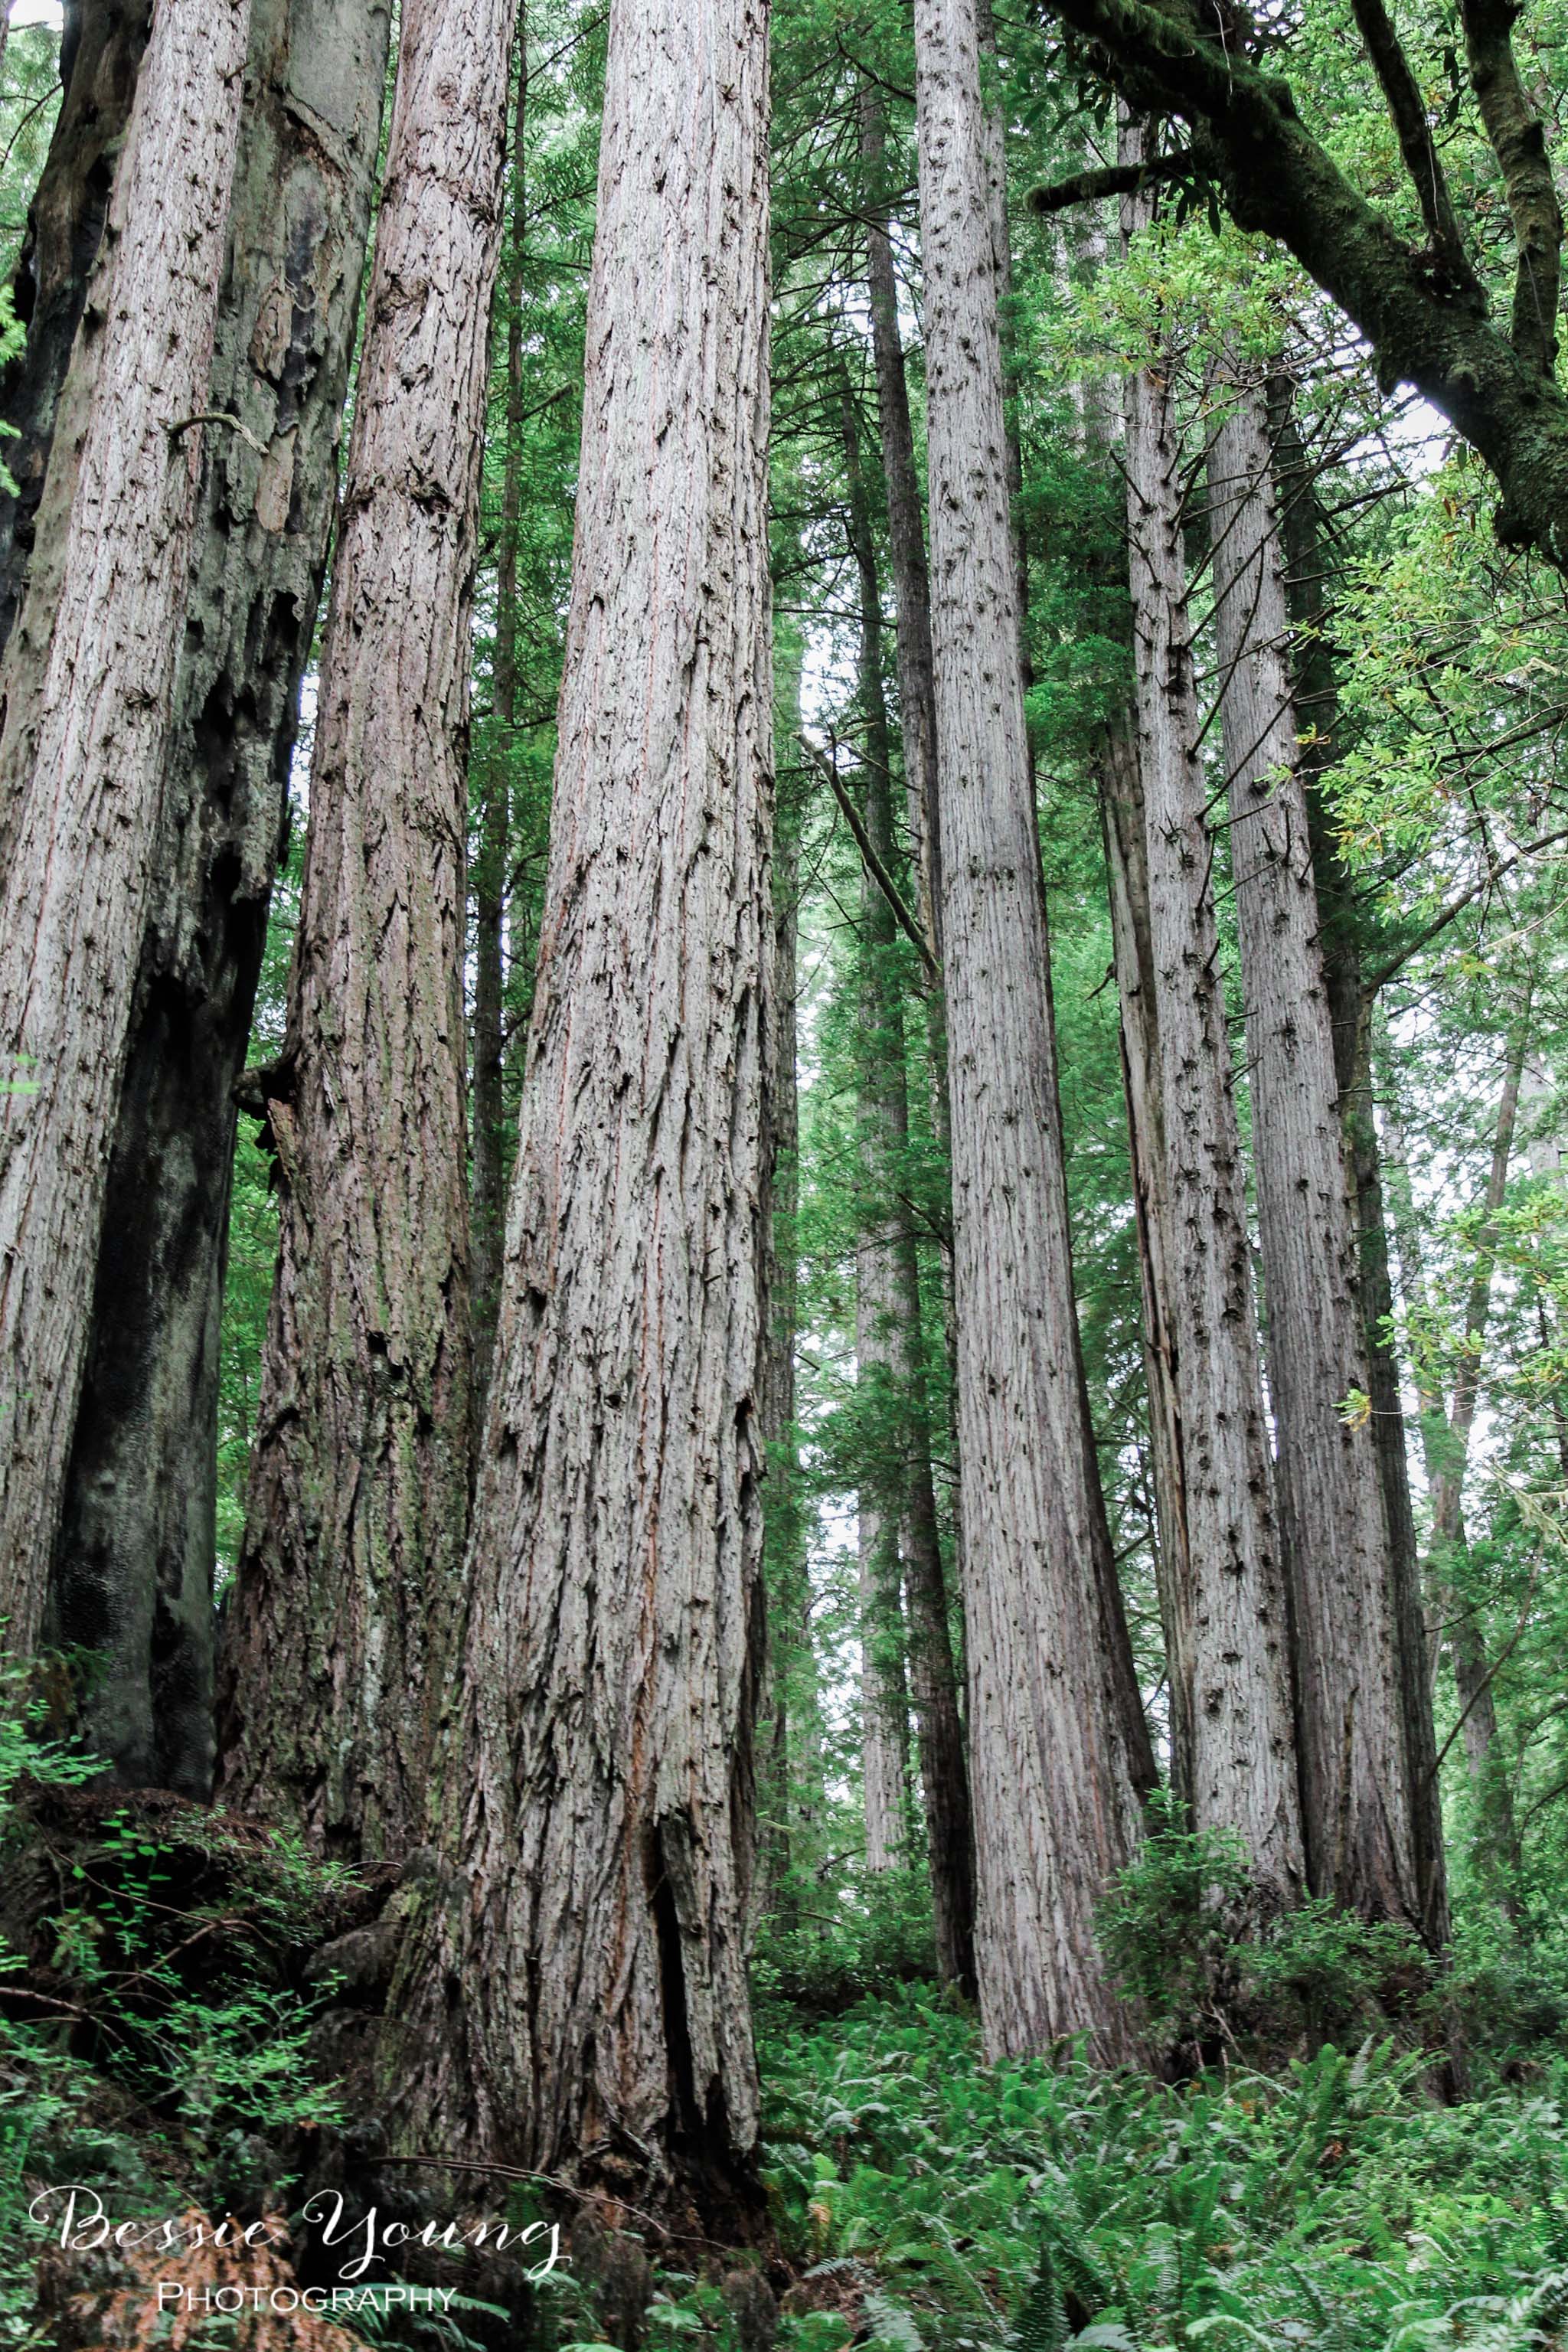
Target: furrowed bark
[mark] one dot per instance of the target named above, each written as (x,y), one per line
(1230,1618)
(102,48)
(134,1565)
(488,1024)
(1357,1793)
(1055,1812)
(1277,180)
(597,1794)
(83,783)
(349,1581)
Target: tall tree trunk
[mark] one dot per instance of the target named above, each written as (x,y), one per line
(1127,867)
(788,1584)
(1231,1630)
(880,1300)
(906,531)
(889,1319)
(489,1027)
(343,1611)
(1050,1779)
(1356,1781)
(102,48)
(598,1790)
(134,1565)
(1447,1457)
(83,783)
(1350,1009)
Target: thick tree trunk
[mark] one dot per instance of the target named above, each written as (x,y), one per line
(1050,1779)
(1231,1630)
(1357,1789)
(598,1791)
(83,782)
(1127,865)
(488,1024)
(102,48)
(133,1566)
(339,1634)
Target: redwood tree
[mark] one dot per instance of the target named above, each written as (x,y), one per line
(1050,1777)
(83,755)
(339,1629)
(595,1800)
(132,1577)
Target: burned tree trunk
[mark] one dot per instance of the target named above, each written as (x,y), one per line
(133,1566)
(102,48)
(598,1799)
(83,766)
(1050,1779)
(339,1629)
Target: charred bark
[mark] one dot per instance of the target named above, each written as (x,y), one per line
(83,757)
(102,48)
(134,1565)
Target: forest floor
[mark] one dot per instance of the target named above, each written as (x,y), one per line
(165,2045)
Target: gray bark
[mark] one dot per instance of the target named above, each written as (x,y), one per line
(83,759)
(597,1797)
(1356,1783)
(339,1633)
(133,1567)
(1052,1789)
(1229,1634)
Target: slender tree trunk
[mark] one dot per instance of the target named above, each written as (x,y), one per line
(1055,1813)
(488,1038)
(906,531)
(102,48)
(83,783)
(1230,1632)
(134,1565)
(944,1766)
(880,1300)
(891,1341)
(788,1584)
(1350,1009)
(1357,1789)
(1497,1833)
(338,1635)
(1127,865)
(598,1790)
